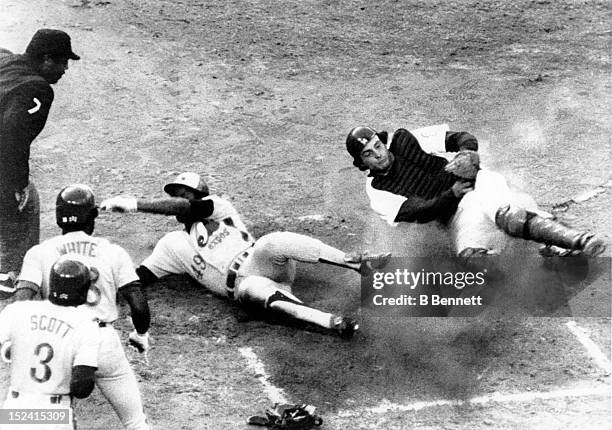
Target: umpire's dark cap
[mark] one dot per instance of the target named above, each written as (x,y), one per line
(53,42)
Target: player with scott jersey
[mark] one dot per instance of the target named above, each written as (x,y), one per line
(113,273)
(52,346)
(216,249)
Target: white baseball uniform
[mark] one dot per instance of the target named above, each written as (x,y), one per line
(114,376)
(47,341)
(221,244)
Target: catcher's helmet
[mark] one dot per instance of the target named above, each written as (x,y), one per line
(357,139)
(190,180)
(69,282)
(75,205)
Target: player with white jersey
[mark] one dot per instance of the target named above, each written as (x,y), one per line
(52,346)
(216,249)
(114,273)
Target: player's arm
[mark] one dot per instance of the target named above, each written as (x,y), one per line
(165,206)
(416,209)
(26,290)
(87,340)
(83,381)
(31,276)
(431,140)
(141,316)
(459,141)
(139,306)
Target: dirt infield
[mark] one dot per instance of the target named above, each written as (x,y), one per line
(258,96)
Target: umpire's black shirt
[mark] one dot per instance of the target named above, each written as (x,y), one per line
(25,100)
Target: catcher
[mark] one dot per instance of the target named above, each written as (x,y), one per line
(408,182)
(216,250)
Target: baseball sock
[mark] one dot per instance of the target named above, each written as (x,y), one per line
(303,313)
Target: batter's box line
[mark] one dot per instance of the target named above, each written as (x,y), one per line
(255,365)
(386,406)
(594,352)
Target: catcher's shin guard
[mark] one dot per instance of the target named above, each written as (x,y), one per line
(519,222)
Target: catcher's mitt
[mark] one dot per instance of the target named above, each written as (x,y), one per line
(290,417)
(465,165)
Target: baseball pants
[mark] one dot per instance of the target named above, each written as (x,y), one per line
(271,265)
(473,225)
(117,382)
(19,231)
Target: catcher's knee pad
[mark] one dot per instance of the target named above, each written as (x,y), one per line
(514,220)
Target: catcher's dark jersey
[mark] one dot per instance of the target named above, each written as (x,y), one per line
(414,172)
(419,179)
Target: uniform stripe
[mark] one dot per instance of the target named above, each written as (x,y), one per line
(414,172)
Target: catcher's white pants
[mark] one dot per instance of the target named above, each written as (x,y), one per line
(38,401)
(473,225)
(117,382)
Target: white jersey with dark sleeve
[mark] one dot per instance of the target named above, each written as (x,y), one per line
(47,341)
(113,264)
(206,251)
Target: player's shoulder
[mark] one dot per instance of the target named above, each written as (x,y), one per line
(24,307)
(34,86)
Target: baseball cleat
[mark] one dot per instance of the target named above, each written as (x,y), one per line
(368,262)
(593,246)
(7,285)
(345,327)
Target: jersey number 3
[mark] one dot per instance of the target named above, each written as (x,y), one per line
(44,354)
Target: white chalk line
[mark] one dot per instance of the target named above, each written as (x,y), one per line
(481,400)
(596,354)
(275,394)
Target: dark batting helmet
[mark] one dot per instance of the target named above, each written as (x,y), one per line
(357,139)
(69,282)
(75,206)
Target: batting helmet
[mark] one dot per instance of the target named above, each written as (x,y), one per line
(357,139)
(190,180)
(69,282)
(75,205)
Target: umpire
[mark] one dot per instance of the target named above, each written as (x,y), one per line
(25,99)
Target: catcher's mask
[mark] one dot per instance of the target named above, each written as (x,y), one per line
(69,282)
(75,206)
(358,138)
(189,180)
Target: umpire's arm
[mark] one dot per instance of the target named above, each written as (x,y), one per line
(141,316)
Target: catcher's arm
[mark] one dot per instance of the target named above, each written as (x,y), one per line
(460,141)
(416,209)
